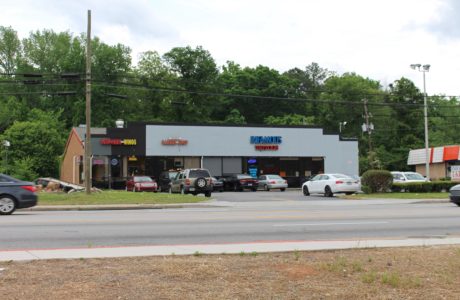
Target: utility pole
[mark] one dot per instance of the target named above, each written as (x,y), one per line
(88,178)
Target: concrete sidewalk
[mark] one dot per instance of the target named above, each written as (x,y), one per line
(230,248)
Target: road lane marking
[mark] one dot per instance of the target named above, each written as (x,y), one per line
(330,224)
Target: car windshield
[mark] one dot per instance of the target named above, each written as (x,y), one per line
(199,173)
(143,179)
(244,177)
(172,175)
(274,177)
(414,176)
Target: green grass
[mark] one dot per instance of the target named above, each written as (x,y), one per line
(115,197)
(400,196)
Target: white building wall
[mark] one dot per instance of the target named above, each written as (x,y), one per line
(234,141)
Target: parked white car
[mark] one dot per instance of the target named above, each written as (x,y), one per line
(330,184)
(407,177)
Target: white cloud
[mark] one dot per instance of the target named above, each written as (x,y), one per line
(377,39)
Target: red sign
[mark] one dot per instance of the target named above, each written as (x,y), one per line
(267,147)
(174,141)
(125,142)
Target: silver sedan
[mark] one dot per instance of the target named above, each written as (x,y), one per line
(268,182)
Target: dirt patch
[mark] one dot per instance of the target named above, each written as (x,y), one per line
(405,273)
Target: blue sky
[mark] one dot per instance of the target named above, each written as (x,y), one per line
(374,38)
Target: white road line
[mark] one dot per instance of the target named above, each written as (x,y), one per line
(329,224)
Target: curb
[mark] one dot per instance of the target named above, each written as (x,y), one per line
(230,248)
(115,207)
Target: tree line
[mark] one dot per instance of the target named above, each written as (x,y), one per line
(42,86)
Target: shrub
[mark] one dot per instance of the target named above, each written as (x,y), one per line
(423,187)
(377,180)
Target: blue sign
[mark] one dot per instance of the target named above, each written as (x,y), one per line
(266,140)
(252,161)
(253,172)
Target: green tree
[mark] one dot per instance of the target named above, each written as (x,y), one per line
(196,73)
(37,143)
(10,50)
(234,117)
(293,119)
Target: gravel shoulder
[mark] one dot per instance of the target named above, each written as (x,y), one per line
(401,273)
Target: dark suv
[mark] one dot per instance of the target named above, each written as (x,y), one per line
(192,181)
(165,179)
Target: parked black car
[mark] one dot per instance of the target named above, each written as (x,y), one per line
(165,179)
(454,194)
(15,194)
(239,182)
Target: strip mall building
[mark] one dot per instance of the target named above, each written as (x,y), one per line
(149,149)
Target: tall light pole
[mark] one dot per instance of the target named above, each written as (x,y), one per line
(424,69)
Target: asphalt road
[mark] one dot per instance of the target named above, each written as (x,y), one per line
(233,218)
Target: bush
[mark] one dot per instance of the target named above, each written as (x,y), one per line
(423,187)
(376,181)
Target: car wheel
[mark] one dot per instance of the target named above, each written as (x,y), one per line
(7,205)
(282,189)
(328,192)
(201,182)
(305,190)
(458,203)
(207,194)
(266,188)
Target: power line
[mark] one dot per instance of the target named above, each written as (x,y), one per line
(156,89)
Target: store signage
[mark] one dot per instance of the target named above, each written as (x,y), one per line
(455,173)
(266,140)
(98,161)
(266,143)
(119,142)
(267,147)
(174,142)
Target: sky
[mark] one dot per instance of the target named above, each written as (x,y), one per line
(378,39)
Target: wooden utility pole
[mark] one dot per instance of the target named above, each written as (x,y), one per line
(88,178)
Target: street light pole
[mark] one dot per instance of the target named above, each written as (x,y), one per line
(424,69)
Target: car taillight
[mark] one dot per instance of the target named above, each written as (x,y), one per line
(187,181)
(242,181)
(29,188)
(272,182)
(339,182)
(285,181)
